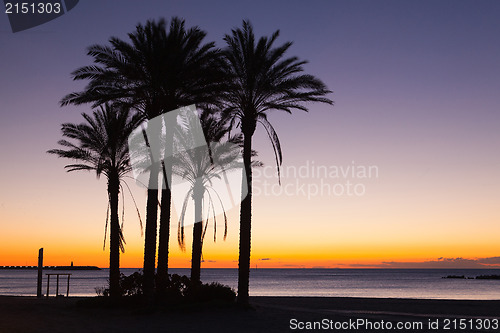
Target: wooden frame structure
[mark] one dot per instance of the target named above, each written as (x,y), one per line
(57,284)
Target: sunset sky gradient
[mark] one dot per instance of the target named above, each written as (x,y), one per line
(416,94)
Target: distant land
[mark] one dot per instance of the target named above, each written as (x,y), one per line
(56,268)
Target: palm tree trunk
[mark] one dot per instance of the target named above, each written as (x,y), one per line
(151,217)
(114,239)
(197,234)
(245,221)
(163,241)
(166,201)
(150,239)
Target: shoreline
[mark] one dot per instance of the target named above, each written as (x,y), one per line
(360,298)
(269,314)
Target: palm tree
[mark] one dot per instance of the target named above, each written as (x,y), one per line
(263,80)
(156,72)
(201,167)
(101,146)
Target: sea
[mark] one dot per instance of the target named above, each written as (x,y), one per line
(377,283)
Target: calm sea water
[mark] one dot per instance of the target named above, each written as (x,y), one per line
(392,283)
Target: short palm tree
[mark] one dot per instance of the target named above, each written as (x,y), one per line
(100,145)
(201,167)
(263,80)
(159,70)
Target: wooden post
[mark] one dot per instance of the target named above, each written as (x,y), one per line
(57,286)
(40,269)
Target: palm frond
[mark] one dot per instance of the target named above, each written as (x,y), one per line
(273,137)
(106,229)
(100,145)
(264,79)
(136,208)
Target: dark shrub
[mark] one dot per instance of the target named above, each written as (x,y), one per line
(211,292)
(131,285)
(179,290)
(176,288)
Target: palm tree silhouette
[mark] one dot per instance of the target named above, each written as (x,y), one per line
(158,71)
(101,146)
(263,80)
(201,167)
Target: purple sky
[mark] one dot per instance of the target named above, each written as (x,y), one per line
(416,93)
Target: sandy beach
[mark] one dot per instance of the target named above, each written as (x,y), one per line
(269,314)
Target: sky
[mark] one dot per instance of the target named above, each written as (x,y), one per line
(403,171)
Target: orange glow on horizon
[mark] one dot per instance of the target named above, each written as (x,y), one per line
(261,258)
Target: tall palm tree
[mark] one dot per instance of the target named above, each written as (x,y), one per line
(263,80)
(201,167)
(100,145)
(156,72)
